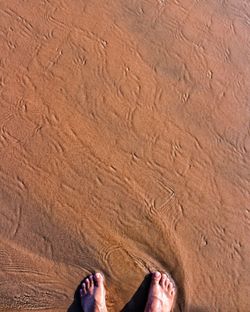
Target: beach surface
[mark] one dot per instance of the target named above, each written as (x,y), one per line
(124,148)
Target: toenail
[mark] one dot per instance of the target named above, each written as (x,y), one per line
(157,274)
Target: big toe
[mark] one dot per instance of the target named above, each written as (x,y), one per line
(156,276)
(99,279)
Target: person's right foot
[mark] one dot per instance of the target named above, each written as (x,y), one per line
(92,294)
(162,293)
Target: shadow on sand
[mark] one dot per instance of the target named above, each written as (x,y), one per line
(76,304)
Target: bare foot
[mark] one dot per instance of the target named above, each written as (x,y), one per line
(92,294)
(162,293)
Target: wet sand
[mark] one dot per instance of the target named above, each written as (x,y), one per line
(125,148)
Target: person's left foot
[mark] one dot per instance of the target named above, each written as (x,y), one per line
(92,294)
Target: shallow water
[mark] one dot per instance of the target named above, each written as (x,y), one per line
(125,144)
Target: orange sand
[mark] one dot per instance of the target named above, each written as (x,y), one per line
(125,147)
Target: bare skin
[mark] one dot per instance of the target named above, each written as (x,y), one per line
(162,293)
(92,294)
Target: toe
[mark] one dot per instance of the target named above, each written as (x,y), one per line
(98,278)
(171,288)
(156,277)
(168,282)
(83,290)
(87,283)
(163,280)
(91,281)
(172,292)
